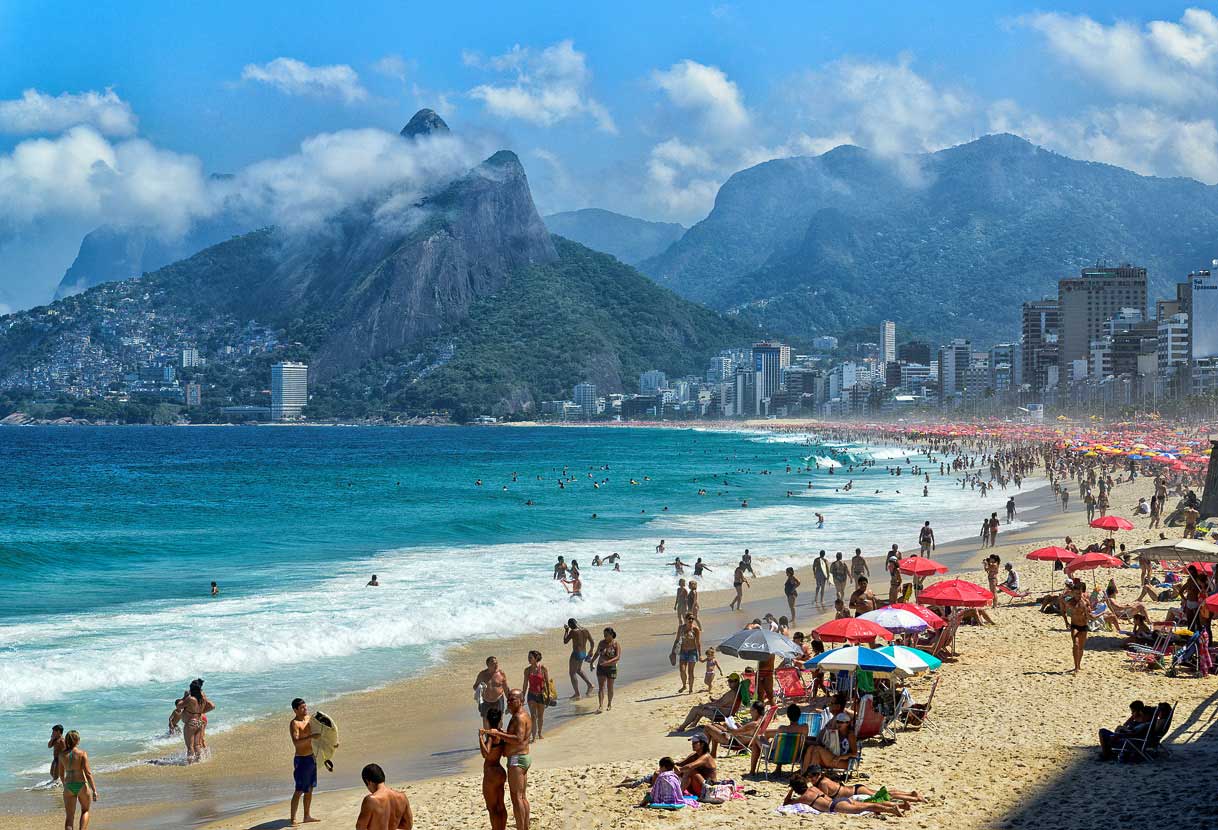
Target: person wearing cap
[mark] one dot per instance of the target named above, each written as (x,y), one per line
(698,768)
(721,707)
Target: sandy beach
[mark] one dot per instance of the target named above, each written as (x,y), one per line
(1011,743)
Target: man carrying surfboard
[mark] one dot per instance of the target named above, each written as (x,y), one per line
(304,765)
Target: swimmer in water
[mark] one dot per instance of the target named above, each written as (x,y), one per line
(678,565)
(372,583)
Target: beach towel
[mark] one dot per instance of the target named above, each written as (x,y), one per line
(666,789)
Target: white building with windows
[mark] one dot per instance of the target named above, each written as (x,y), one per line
(289,391)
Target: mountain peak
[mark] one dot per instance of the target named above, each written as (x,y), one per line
(424,122)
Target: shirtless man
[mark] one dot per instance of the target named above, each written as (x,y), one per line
(688,645)
(560,569)
(516,749)
(581,646)
(862,600)
(1078,610)
(738,581)
(681,604)
(304,766)
(384,808)
(494,686)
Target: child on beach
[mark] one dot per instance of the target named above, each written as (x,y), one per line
(712,666)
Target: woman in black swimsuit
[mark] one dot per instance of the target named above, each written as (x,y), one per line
(791,589)
(608,653)
(802,792)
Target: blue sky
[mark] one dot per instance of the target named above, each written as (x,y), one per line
(117,111)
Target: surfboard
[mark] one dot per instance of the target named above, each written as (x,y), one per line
(325,739)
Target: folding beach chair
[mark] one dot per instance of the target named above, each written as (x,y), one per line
(783,748)
(868,723)
(1188,652)
(1013,595)
(1151,745)
(916,716)
(1144,657)
(734,744)
(791,685)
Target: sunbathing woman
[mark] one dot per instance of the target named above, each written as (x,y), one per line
(1117,612)
(802,792)
(836,743)
(493,775)
(721,733)
(834,789)
(698,768)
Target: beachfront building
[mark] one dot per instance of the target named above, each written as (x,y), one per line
(915,351)
(769,361)
(1203,314)
(1038,337)
(954,360)
(587,400)
(652,381)
(289,391)
(888,341)
(1173,345)
(1088,301)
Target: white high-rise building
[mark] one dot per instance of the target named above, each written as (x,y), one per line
(190,357)
(888,341)
(1203,315)
(652,381)
(289,390)
(586,399)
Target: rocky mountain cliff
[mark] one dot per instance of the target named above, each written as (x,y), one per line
(458,299)
(629,239)
(947,243)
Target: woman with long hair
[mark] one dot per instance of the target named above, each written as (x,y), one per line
(78,784)
(195,707)
(608,654)
(494,777)
(537,683)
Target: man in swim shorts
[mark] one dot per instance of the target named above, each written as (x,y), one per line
(491,683)
(384,808)
(304,766)
(581,646)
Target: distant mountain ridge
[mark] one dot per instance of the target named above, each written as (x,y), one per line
(629,239)
(461,300)
(947,244)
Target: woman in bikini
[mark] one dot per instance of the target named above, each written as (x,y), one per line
(608,654)
(195,707)
(833,789)
(802,792)
(494,777)
(78,781)
(536,681)
(791,589)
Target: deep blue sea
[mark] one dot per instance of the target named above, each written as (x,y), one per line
(110,537)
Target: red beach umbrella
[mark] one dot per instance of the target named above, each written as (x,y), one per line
(1112,523)
(1052,554)
(957,593)
(1093,560)
(1203,567)
(932,619)
(852,630)
(921,566)
(1212,603)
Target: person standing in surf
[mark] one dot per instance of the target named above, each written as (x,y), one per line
(195,707)
(56,745)
(304,765)
(581,646)
(78,784)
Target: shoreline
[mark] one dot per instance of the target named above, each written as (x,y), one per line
(248,768)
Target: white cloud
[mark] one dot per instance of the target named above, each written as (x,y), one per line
(707,91)
(1138,138)
(545,88)
(392,66)
(37,112)
(1163,61)
(683,178)
(294,77)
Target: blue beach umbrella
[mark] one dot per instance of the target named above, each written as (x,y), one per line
(913,660)
(855,658)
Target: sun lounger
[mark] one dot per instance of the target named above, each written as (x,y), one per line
(1013,595)
(1144,657)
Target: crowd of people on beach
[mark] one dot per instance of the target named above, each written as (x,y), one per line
(513,718)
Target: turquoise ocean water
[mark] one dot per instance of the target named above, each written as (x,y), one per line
(109,538)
